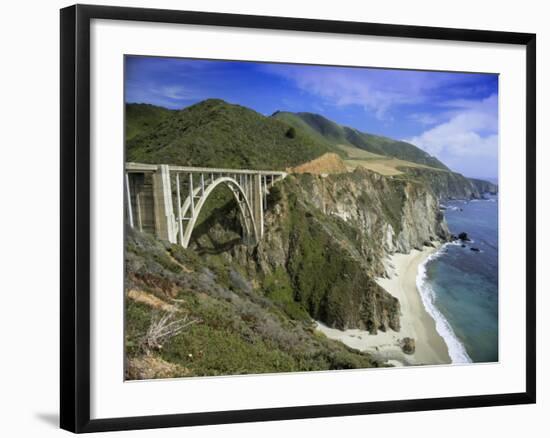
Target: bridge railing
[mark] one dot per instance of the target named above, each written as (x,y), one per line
(143,167)
(150,198)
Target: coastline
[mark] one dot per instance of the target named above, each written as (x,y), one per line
(416,322)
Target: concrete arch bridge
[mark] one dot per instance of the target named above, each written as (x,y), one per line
(166,200)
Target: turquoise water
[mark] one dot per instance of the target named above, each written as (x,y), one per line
(462,285)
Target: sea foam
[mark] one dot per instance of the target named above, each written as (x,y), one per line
(457,351)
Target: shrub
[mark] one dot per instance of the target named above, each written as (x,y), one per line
(164,328)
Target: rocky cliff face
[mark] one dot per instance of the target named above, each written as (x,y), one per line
(386,215)
(484,186)
(445,185)
(327,238)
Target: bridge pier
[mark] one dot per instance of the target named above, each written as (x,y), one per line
(257,203)
(166,227)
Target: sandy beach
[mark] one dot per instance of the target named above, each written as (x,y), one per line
(416,323)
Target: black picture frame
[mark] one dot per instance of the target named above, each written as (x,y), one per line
(75,217)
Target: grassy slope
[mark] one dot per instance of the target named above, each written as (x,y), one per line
(318,127)
(378,163)
(238,330)
(336,134)
(214,133)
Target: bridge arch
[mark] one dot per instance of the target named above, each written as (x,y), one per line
(245,208)
(149,197)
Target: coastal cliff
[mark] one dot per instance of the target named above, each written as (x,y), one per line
(484,186)
(451,185)
(446,185)
(326,241)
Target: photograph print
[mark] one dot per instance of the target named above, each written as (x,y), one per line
(291,218)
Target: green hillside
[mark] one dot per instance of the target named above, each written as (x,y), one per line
(214,133)
(318,127)
(333,133)
(142,118)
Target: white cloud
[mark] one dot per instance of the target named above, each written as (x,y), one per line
(341,89)
(423,118)
(168,96)
(374,90)
(471,132)
(176,92)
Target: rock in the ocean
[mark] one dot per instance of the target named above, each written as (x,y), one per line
(464,237)
(408,345)
(474,249)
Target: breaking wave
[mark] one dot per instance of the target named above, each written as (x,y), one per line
(457,351)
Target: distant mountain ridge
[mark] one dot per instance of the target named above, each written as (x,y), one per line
(215,133)
(333,133)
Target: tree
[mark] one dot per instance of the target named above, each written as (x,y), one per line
(291,133)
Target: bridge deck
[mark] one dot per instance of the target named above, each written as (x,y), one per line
(142,167)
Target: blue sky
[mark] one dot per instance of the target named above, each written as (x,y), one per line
(453,116)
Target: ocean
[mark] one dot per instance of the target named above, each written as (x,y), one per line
(459,287)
